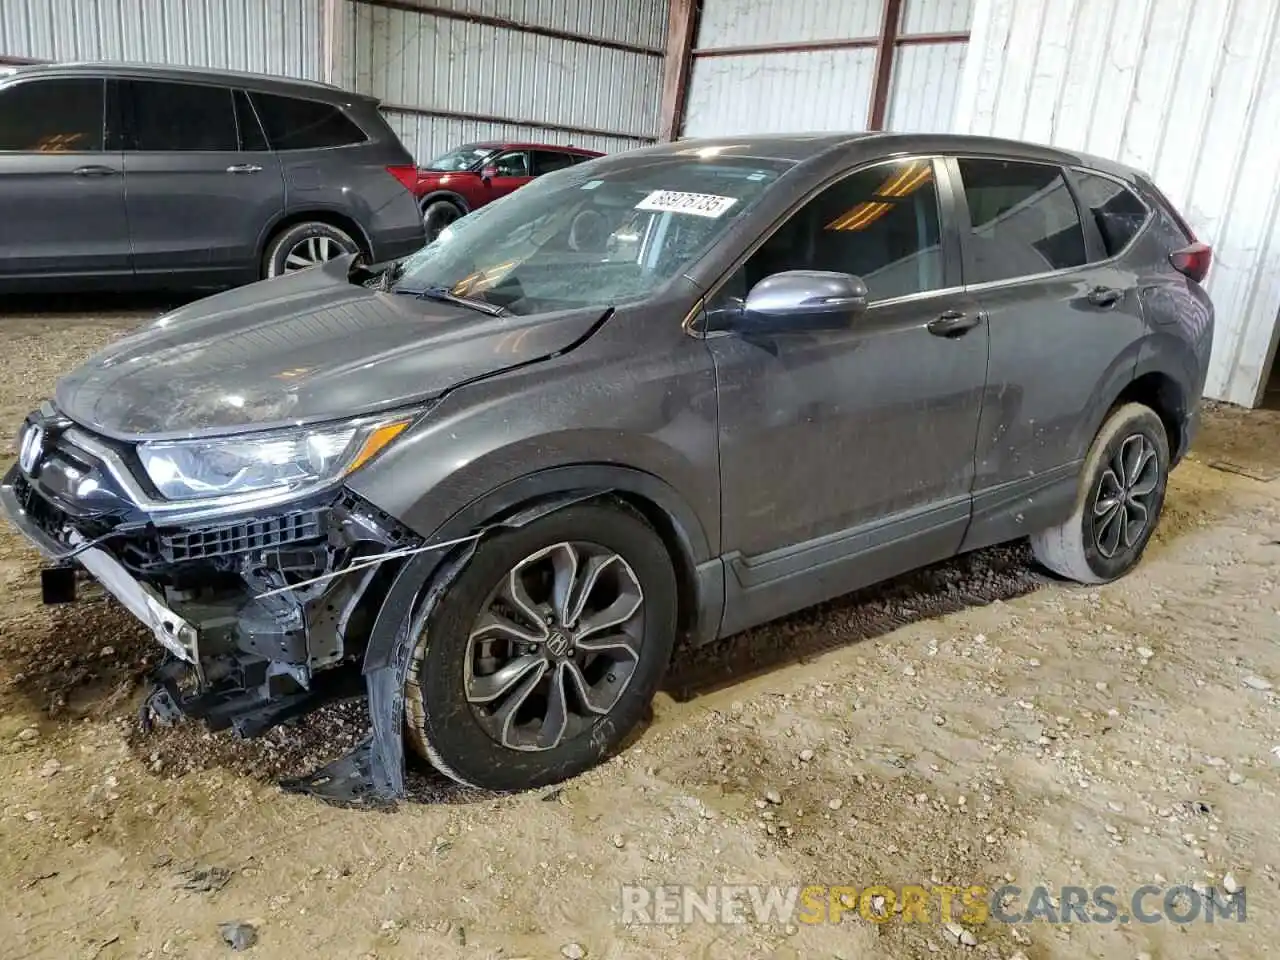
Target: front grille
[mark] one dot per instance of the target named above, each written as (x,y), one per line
(178,546)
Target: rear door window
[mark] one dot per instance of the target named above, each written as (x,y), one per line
(180,117)
(1023,220)
(549,161)
(1116,209)
(292,123)
(52,116)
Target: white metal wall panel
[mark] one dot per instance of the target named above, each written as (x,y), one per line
(780,93)
(1185,90)
(821,90)
(419,60)
(936,16)
(263,36)
(641,23)
(741,23)
(926,78)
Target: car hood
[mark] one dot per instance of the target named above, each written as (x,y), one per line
(302,348)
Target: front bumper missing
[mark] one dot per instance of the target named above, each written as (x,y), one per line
(173,633)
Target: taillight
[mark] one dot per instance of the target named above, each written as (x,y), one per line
(1193,261)
(407,174)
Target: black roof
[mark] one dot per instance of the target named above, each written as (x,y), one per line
(249,81)
(798,147)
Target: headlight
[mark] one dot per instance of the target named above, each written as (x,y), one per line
(278,461)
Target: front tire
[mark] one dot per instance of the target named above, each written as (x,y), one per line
(305,245)
(1122,490)
(544,653)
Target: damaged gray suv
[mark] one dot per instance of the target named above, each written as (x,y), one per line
(659,397)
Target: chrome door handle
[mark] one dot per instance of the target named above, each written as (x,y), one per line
(953,323)
(1105,296)
(94,170)
(244,168)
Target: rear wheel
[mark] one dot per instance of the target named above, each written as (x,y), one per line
(306,245)
(1122,489)
(437,215)
(545,651)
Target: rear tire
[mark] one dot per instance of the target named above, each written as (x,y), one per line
(572,616)
(305,245)
(1122,490)
(437,215)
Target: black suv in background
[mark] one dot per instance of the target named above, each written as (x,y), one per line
(126,175)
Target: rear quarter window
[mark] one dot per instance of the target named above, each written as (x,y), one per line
(1116,210)
(292,123)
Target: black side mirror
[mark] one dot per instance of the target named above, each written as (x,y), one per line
(488,172)
(804,300)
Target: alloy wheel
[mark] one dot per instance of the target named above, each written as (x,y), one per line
(311,252)
(555,645)
(1123,501)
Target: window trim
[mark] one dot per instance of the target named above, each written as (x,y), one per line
(236,94)
(949,202)
(128,117)
(341,107)
(105,130)
(965,225)
(511,151)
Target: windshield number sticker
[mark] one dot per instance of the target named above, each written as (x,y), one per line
(698,204)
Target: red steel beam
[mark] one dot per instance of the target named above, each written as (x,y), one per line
(681,28)
(884,63)
(818,46)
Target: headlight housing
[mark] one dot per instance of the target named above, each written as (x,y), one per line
(280,461)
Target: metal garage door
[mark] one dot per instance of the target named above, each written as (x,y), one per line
(808,65)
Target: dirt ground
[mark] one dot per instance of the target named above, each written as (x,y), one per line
(970,724)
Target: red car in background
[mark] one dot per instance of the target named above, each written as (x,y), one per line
(453,185)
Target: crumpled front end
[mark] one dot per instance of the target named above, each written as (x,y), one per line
(265,611)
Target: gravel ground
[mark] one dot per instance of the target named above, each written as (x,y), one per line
(970,723)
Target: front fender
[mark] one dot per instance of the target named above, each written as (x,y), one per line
(629,418)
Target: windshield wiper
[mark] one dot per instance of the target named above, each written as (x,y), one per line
(445,295)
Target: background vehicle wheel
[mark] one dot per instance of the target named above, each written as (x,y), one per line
(306,245)
(545,651)
(437,215)
(1122,490)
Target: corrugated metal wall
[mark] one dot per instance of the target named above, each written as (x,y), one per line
(812,90)
(510,84)
(926,77)
(267,36)
(1188,91)
(777,92)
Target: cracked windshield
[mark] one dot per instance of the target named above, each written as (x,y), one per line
(594,234)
